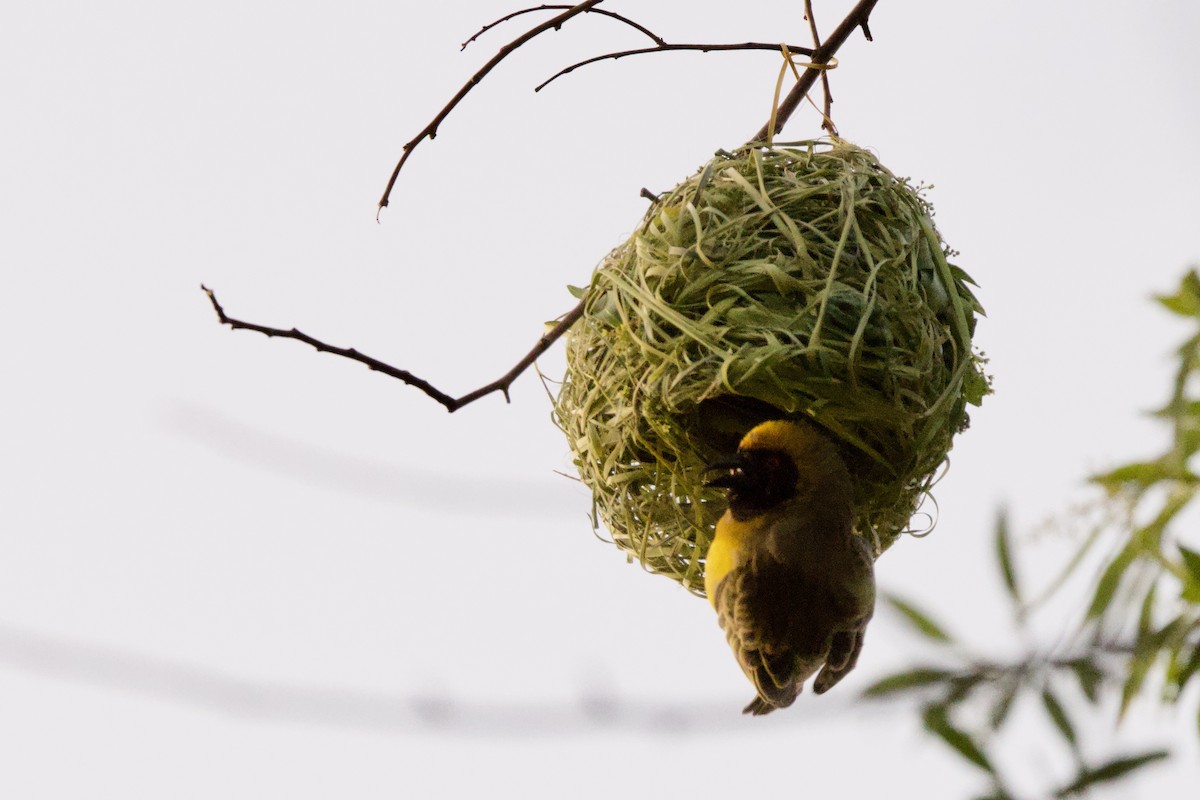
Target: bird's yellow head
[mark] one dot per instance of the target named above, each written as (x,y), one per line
(776,461)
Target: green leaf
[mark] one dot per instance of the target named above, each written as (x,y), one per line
(1148,537)
(1188,669)
(1186,300)
(960,274)
(919,620)
(1142,474)
(1090,676)
(1190,593)
(912,679)
(1004,556)
(1059,717)
(1146,614)
(1187,442)
(961,686)
(1111,771)
(1191,561)
(1145,651)
(976,386)
(1004,703)
(1173,636)
(577,291)
(1179,407)
(1172,640)
(1106,587)
(937,722)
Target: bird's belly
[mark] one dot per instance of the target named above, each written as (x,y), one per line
(722,556)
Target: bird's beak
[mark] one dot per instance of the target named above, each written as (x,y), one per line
(732,471)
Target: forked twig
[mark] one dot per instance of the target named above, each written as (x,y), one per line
(859,17)
(664,47)
(452,404)
(430,130)
(598,11)
(827,113)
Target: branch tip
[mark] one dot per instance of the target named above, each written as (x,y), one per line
(430,130)
(451,404)
(662,46)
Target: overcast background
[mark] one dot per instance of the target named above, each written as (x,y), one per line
(232,567)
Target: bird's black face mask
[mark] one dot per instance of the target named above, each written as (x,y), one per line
(756,480)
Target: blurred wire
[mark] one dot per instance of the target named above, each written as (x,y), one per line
(558,498)
(594,710)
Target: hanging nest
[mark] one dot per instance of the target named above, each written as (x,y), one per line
(794,281)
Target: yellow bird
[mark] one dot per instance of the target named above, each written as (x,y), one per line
(792,584)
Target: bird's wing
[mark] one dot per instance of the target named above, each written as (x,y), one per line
(843,655)
(763,637)
(855,604)
(860,583)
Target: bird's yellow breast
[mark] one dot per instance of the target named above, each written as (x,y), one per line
(724,554)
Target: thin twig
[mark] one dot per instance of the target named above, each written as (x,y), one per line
(827,113)
(452,404)
(599,11)
(857,18)
(430,130)
(665,48)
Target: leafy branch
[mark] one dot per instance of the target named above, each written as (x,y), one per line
(1142,618)
(961,686)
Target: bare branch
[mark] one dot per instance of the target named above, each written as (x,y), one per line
(666,48)
(611,14)
(857,18)
(430,130)
(451,404)
(866,27)
(827,113)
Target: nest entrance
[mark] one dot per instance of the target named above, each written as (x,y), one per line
(802,281)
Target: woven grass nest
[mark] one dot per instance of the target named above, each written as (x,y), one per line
(792,281)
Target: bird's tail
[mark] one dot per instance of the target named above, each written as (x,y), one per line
(761,705)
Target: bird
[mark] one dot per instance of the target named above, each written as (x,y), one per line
(793,585)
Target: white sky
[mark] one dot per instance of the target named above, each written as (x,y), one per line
(233,567)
